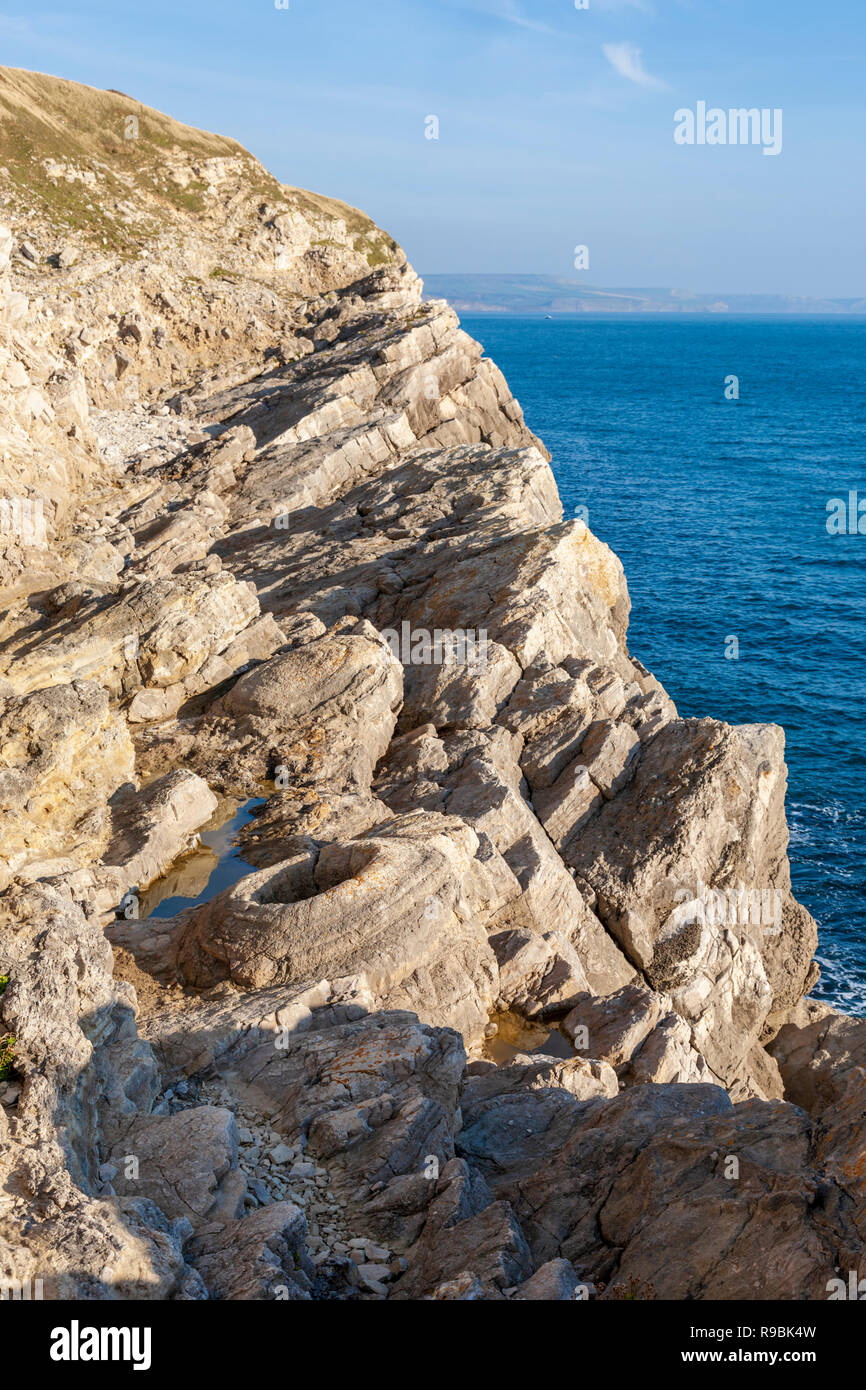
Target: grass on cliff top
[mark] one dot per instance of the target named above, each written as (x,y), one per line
(44,118)
(132,148)
(366,238)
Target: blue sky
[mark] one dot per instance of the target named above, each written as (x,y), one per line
(556,124)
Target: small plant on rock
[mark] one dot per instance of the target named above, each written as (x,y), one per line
(7,1057)
(635,1290)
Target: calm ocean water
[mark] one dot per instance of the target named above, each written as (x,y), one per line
(718,510)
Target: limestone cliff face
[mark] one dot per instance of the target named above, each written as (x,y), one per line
(145,258)
(459,840)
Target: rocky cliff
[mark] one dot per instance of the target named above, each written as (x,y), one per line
(504,998)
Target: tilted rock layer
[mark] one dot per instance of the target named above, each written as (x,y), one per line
(303,556)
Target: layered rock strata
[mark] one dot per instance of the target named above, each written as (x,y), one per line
(345,597)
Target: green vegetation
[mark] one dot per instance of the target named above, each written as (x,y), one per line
(123,142)
(376,248)
(189,199)
(107,154)
(7,1044)
(368,240)
(636,1290)
(7,1057)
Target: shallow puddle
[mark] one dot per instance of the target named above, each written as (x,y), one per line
(216,864)
(516,1034)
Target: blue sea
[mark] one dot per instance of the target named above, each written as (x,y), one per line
(718,510)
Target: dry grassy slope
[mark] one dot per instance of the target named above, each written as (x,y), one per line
(154,254)
(139,269)
(103,170)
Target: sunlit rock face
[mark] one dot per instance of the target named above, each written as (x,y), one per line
(303,557)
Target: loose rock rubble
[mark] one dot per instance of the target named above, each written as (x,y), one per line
(283,1091)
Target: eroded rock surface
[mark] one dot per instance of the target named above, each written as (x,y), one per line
(331,581)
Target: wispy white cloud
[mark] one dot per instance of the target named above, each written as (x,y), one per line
(627,60)
(509,12)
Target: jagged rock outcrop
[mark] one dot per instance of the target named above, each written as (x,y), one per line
(47,452)
(63,753)
(330,591)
